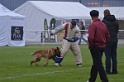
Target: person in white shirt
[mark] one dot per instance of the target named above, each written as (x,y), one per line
(70,41)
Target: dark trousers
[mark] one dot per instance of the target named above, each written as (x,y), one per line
(97,66)
(111,56)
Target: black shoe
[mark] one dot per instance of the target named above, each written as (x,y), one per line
(114,72)
(79,43)
(108,73)
(80,64)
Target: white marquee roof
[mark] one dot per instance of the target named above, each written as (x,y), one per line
(6,12)
(66,10)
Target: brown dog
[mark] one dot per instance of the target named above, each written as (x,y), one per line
(47,54)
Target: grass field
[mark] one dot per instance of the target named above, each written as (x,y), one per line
(14,66)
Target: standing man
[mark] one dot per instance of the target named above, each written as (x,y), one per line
(98,35)
(111,45)
(82,33)
(70,41)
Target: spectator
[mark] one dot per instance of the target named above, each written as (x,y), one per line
(111,45)
(98,35)
(70,41)
(82,33)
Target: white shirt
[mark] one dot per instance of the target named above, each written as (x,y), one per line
(69,33)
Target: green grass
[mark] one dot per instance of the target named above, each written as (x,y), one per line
(14,66)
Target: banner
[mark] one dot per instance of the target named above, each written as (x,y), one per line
(17,33)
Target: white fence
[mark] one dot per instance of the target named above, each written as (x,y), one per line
(46,38)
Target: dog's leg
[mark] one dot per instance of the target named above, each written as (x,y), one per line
(47,59)
(31,63)
(34,61)
(53,58)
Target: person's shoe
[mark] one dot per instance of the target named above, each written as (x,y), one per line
(79,64)
(114,72)
(79,43)
(56,64)
(87,80)
(108,73)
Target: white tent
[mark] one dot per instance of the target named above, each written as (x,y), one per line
(117,11)
(37,11)
(11,28)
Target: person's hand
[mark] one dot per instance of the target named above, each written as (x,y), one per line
(51,34)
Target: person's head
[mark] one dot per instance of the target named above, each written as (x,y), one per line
(94,14)
(81,23)
(106,12)
(73,24)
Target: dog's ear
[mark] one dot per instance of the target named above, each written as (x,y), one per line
(58,48)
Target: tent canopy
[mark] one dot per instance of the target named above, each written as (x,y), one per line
(64,10)
(117,11)
(39,12)
(6,12)
(11,28)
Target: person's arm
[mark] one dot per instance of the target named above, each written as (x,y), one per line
(117,25)
(91,32)
(107,36)
(58,29)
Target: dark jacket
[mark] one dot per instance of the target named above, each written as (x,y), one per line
(112,26)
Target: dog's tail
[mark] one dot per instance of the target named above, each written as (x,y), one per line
(34,53)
